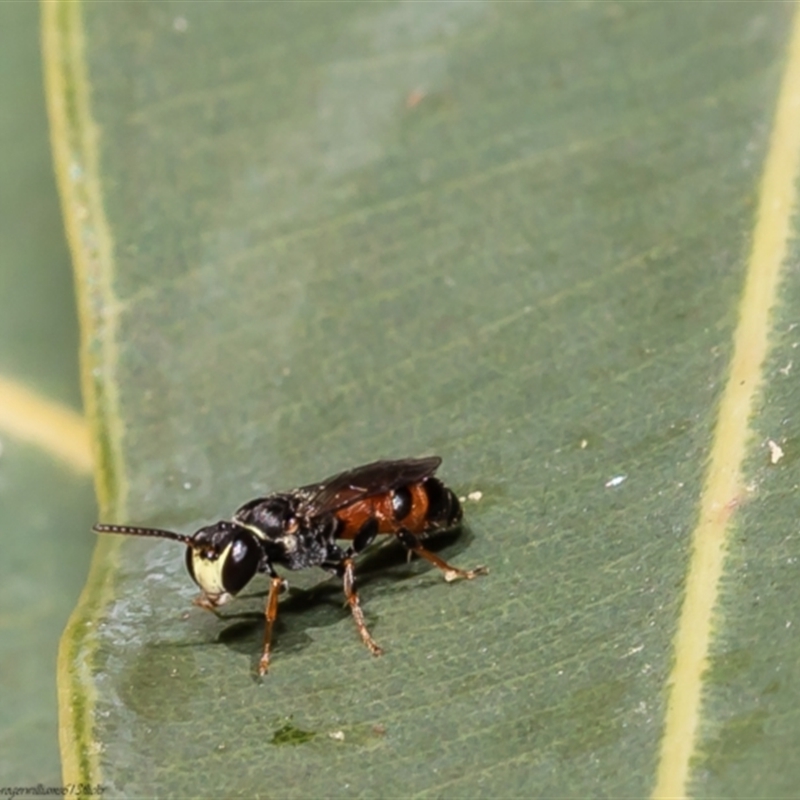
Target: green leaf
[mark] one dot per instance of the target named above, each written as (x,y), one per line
(751,726)
(516,235)
(46,501)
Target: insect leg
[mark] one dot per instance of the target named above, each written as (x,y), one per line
(364,538)
(270,614)
(451,573)
(208,603)
(348,577)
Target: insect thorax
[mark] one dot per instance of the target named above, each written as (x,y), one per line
(287,536)
(312,545)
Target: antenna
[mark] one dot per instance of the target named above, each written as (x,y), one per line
(178,537)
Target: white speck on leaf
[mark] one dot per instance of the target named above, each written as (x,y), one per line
(775,452)
(634,650)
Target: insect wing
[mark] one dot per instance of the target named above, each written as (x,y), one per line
(345,488)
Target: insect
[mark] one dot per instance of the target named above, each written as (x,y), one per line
(302,527)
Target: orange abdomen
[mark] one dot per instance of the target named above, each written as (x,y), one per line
(382,507)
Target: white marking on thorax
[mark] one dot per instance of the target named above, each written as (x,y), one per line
(254,529)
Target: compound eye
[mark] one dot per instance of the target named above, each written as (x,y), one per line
(240,561)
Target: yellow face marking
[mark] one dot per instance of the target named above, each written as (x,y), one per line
(208,572)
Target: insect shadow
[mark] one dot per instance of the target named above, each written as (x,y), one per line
(324,604)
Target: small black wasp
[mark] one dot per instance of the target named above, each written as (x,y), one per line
(300,528)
